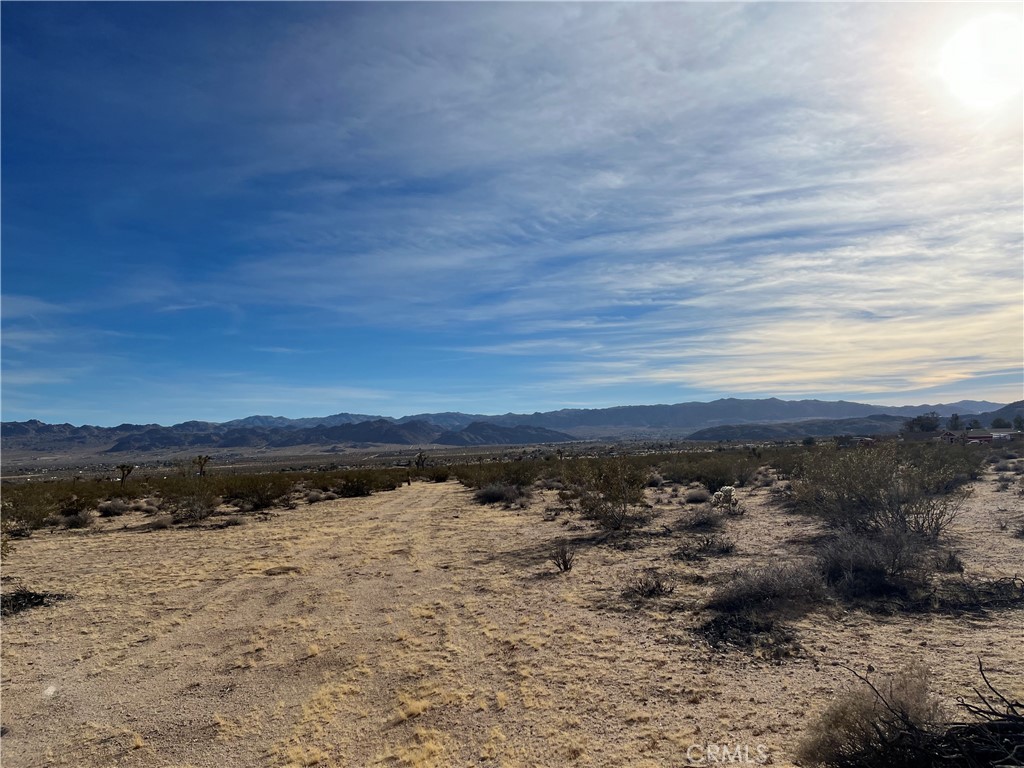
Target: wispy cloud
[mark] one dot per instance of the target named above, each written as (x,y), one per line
(671,198)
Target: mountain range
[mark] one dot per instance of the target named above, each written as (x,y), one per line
(729,418)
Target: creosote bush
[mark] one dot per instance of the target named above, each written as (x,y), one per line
(255,492)
(192,501)
(611,493)
(875,489)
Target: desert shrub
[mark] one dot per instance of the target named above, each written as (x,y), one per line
(112,508)
(894,725)
(764,637)
(655,480)
(80,519)
(73,504)
(649,584)
(25,511)
(255,492)
(192,501)
(353,486)
(551,483)
(6,546)
(436,474)
(943,468)
(870,490)
(957,595)
(522,473)
(721,470)
(499,494)
(858,566)
(701,519)
(161,523)
(678,470)
(772,589)
(706,546)
(696,496)
(314,496)
(563,556)
(785,461)
(611,493)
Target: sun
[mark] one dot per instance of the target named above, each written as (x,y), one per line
(981,62)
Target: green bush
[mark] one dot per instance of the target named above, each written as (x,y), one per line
(521,473)
(610,492)
(435,474)
(872,490)
(255,492)
(191,500)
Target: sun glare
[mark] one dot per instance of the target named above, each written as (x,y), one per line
(981,63)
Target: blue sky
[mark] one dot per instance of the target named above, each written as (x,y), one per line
(216,210)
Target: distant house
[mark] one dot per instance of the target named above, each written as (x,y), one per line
(968,436)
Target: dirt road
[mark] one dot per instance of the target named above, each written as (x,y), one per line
(408,628)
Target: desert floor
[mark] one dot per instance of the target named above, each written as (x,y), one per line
(418,628)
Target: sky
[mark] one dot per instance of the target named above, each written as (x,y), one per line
(214,210)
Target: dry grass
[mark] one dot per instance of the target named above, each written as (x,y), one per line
(419,628)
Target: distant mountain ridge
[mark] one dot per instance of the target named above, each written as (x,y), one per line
(453,428)
(879,424)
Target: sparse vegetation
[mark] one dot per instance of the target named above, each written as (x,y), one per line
(563,556)
(876,490)
(649,584)
(870,727)
(112,508)
(706,546)
(902,723)
(417,582)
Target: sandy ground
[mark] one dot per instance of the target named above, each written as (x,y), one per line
(417,628)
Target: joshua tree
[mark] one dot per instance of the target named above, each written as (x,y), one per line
(125,470)
(200,462)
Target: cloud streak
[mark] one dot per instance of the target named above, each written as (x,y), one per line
(670,200)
